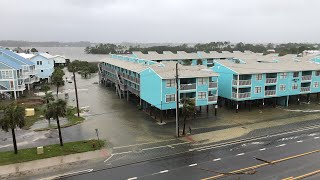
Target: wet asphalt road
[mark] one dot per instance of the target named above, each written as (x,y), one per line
(204,163)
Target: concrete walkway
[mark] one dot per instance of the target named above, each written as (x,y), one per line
(21,168)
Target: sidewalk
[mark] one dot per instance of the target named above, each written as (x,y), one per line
(245,129)
(21,168)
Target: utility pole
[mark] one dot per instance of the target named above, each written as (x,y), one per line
(76,90)
(177,101)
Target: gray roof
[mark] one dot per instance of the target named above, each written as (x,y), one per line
(132,66)
(167,55)
(255,64)
(166,70)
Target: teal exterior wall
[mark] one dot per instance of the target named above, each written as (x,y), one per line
(167,91)
(224,80)
(150,87)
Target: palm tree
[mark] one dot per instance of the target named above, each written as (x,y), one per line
(187,111)
(55,110)
(57,78)
(48,97)
(13,118)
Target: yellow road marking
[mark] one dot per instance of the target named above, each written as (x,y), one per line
(263,164)
(303,176)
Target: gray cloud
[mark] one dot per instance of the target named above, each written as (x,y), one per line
(160,21)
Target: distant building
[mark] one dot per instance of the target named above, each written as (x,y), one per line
(59,60)
(44,64)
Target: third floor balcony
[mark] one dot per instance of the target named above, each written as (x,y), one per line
(241,82)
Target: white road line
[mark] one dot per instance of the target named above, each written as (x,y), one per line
(133,178)
(170,146)
(122,153)
(108,158)
(240,154)
(316,137)
(192,165)
(164,171)
(281,145)
(218,159)
(253,139)
(299,141)
(262,149)
(119,147)
(165,146)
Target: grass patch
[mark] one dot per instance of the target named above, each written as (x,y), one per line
(72,118)
(30,154)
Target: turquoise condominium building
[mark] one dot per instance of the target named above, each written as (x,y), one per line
(236,77)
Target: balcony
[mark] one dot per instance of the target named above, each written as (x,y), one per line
(213,84)
(242,82)
(134,91)
(212,98)
(21,87)
(186,87)
(270,92)
(306,78)
(305,89)
(241,95)
(271,80)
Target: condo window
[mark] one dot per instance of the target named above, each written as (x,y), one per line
(258,77)
(6,74)
(202,95)
(282,87)
(170,97)
(316,84)
(257,90)
(294,86)
(283,75)
(39,62)
(317,73)
(295,74)
(202,81)
(171,83)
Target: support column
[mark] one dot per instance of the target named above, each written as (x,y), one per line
(287,103)
(207,109)
(215,110)
(249,105)
(298,102)
(15,94)
(161,116)
(262,103)
(308,97)
(127,95)
(274,102)
(237,107)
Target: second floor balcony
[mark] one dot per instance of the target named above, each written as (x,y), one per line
(241,95)
(213,98)
(270,92)
(241,82)
(305,89)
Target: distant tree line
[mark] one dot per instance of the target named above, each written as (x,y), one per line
(282,49)
(11,43)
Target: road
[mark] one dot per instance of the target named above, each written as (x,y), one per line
(279,156)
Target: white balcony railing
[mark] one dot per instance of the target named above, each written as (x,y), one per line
(21,87)
(212,98)
(188,86)
(242,82)
(213,84)
(271,80)
(241,95)
(306,78)
(305,89)
(270,92)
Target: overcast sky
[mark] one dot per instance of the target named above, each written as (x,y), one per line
(161,20)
